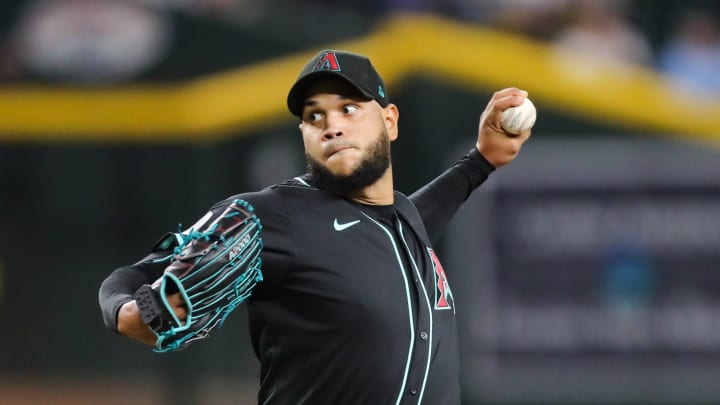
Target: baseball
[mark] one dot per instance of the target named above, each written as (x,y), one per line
(516,120)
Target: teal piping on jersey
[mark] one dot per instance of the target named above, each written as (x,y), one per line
(409,304)
(430,311)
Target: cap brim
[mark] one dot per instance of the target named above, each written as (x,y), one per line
(298,92)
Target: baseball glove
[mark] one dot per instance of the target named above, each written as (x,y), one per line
(214,268)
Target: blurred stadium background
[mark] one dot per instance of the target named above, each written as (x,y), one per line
(586,272)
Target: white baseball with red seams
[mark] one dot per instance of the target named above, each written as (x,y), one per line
(516,120)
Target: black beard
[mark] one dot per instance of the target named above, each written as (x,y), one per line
(368,172)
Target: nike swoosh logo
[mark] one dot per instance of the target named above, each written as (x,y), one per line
(341,227)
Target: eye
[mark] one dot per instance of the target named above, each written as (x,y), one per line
(314,117)
(350,108)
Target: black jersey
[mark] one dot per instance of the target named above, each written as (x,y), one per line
(355,306)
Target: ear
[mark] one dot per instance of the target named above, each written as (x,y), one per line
(391,115)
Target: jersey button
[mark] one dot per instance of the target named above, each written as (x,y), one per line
(423,335)
(413,391)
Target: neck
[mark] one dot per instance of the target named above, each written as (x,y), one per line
(381,192)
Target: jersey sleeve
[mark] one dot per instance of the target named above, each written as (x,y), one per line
(440,199)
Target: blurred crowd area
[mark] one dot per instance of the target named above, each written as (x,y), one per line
(100,41)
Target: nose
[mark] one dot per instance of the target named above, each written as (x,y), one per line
(330,134)
(333,127)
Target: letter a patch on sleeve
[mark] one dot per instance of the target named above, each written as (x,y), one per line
(443,295)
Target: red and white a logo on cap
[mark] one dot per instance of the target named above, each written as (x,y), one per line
(443,295)
(327,61)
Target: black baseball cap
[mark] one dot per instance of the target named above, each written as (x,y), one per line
(354,68)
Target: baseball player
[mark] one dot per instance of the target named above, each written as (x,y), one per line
(355,306)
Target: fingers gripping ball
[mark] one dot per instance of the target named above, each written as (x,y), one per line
(214,269)
(516,120)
